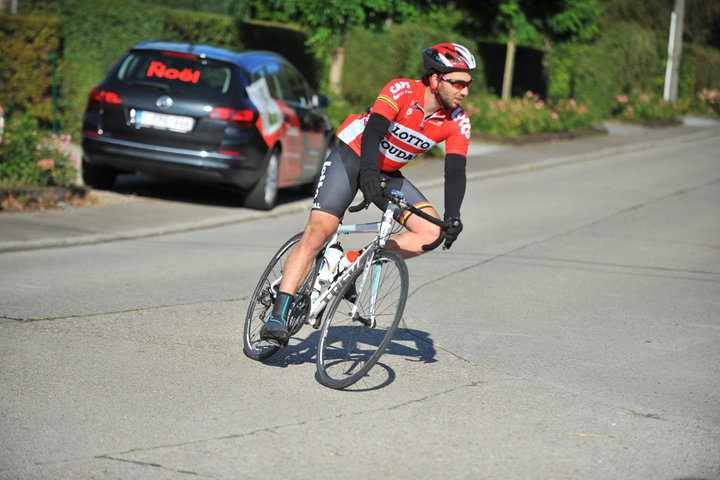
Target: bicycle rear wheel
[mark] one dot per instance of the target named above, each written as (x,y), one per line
(261,304)
(350,344)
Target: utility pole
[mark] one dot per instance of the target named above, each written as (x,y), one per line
(509,67)
(674,50)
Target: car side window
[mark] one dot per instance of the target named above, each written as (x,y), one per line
(298,93)
(274,79)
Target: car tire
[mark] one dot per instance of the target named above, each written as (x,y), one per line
(263,195)
(97,176)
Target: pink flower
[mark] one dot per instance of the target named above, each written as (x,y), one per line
(555,116)
(573,103)
(622,98)
(540,104)
(46,163)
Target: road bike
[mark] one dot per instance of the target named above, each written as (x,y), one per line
(362,305)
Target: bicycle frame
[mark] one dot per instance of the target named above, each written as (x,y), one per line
(383,229)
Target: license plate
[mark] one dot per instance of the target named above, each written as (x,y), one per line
(175,123)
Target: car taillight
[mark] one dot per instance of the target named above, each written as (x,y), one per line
(179,55)
(103,97)
(243,118)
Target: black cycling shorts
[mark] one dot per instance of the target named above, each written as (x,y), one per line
(338,184)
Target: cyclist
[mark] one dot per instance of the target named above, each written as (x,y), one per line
(407,119)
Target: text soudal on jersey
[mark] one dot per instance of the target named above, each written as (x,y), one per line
(411,132)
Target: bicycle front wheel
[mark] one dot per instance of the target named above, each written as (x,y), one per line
(262,302)
(353,339)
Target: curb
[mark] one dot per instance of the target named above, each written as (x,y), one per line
(246,216)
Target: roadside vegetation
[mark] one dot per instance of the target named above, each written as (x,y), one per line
(602,59)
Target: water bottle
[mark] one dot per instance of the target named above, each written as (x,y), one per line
(348,259)
(329,266)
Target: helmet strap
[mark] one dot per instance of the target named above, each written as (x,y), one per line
(436,91)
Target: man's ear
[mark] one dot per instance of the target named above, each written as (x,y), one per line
(434,81)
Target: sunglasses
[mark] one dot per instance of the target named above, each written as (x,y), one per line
(458,84)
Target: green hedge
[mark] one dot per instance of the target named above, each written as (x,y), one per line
(26,43)
(623,57)
(374,58)
(700,69)
(626,59)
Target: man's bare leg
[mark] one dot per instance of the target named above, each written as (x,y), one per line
(418,232)
(320,228)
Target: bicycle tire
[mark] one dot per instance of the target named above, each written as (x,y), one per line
(348,348)
(261,304)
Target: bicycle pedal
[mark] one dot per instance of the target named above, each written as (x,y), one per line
(275,343)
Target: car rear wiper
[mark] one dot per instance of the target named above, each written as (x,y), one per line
(160,86)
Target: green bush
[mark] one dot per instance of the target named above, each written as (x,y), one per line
(526,116)
(707,102)
(26,43)
(646,108)
(700,70)
(372,59)
(96,35)
(27,158)
(623,57)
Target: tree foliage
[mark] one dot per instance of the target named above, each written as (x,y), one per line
(533,20)
(329,21)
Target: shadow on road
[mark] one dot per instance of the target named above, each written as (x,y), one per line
(411,345)
(190,192)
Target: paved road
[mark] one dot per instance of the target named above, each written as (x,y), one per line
(571,333)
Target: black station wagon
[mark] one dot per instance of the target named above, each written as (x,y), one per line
(206,114)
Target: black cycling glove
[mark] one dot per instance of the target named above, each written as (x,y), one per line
(453,227)
(370,184)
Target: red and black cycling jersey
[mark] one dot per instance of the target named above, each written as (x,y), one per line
(411,132)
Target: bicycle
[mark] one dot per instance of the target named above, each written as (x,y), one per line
(364,302)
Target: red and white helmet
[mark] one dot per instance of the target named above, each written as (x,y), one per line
(449,57)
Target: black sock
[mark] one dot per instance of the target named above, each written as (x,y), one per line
(282,306)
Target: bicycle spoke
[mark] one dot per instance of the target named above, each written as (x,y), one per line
(350,344)
(261,304)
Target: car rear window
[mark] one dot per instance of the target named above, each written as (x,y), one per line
(178,73)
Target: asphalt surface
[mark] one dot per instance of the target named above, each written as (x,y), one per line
(122,214)
(592,351)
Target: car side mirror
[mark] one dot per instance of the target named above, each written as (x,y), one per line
(320,101)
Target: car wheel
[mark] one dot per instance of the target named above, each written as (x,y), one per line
(97,176)
(264,194)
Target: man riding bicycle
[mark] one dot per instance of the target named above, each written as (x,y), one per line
(408,118)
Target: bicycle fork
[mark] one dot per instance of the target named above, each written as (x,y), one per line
(373,295)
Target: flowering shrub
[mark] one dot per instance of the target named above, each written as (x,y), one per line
(526,115)
(645,108)
(708,102)
(28,158)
